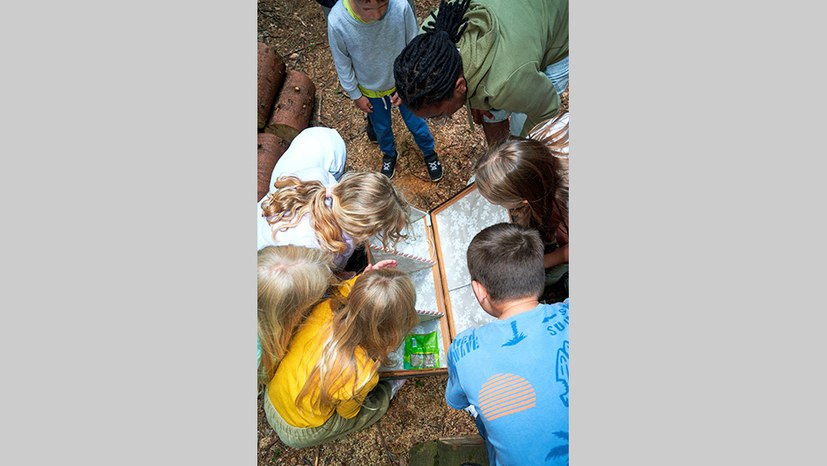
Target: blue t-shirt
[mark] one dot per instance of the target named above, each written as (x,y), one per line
(515,372)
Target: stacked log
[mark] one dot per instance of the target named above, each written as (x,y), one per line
(294,106)
(270,150)
(285,107)
(271,72)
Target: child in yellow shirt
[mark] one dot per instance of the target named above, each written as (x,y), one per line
(327,385)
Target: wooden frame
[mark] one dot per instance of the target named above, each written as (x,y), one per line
(448,284)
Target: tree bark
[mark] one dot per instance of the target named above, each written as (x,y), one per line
(294,106)
(271,72)
(270,150)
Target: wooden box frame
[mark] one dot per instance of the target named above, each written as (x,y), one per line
(441,237)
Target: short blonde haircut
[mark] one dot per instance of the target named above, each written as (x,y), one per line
(362,205)
(376,316)
(291,279)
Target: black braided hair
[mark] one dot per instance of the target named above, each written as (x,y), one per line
(429,66)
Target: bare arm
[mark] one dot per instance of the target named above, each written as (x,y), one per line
(383,264)
(363,104)
(556,257)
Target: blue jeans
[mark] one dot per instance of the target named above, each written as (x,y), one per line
(557,73)
(381,120)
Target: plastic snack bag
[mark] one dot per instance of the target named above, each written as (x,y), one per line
(421,351)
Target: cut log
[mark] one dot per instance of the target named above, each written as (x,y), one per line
(294,106)
(271,72)
(270,150)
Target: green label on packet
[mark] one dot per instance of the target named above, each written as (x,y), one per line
(421,351)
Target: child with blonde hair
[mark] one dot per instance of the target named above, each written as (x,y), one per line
(291,280)
(313,203)
(327,385)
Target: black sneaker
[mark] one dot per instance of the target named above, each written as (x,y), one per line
(388,165)
(371,133)
(434,167)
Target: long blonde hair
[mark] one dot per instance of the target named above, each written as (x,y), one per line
(363,204)
(375,317)
(291,279)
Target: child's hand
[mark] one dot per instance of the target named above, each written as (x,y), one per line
(385,264)
(395,100)
(364,104)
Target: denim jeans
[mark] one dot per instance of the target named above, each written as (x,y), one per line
(557,73)
(381,120)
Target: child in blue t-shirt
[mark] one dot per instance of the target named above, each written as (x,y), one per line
(513,373)
(365,37)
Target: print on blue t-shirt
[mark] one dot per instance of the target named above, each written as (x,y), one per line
(515,374)
(517,337)
(562,371)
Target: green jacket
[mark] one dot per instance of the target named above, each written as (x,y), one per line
(504,50)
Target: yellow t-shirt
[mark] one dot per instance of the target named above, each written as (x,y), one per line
(303,353)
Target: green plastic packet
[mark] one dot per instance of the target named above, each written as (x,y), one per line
(421,351)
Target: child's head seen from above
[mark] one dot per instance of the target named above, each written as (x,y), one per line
(428,73)
(507,260)
(291,279)
(522,173)
(369,10)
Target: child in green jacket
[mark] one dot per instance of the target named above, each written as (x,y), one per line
(496,56)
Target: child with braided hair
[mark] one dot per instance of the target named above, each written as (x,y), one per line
(327,385)
(365,36)
(313,204)
(496,56)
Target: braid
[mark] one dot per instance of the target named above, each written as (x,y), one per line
(450,19)
(428,67)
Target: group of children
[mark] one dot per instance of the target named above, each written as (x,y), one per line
(326,323)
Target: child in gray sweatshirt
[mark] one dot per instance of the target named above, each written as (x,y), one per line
(365,38)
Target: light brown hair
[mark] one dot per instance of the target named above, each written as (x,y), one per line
(524,169)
